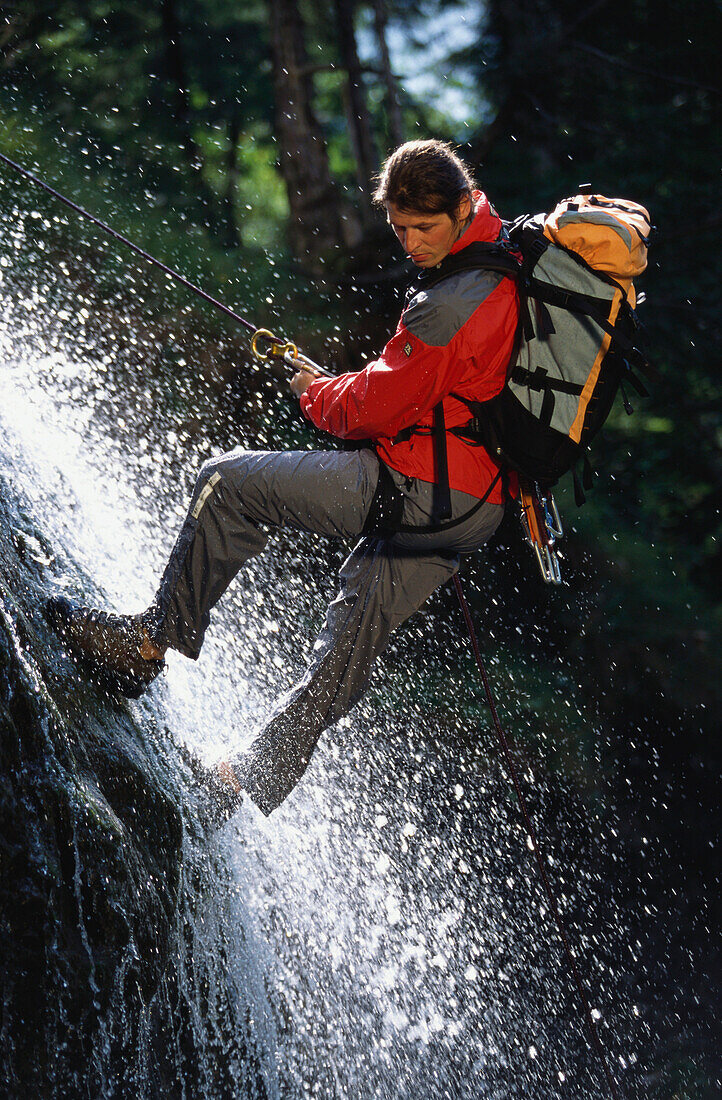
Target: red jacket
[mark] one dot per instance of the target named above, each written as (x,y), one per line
(455,337)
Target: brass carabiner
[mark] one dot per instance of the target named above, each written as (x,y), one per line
(277,349)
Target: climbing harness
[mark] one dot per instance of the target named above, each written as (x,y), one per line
(539,517)
(533,843)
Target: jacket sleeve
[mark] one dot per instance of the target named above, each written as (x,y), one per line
(411,375)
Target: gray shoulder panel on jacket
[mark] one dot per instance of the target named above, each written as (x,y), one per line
(436,315)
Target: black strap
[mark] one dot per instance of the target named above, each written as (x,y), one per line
(539,379)
(384,516)
(547,407)
(528,235)
(572,300)
(442,508)
(637,383)
(526,325)
(442,496)
(586,481)
(587,473)
(545,325)
(479,255)
(434,528)
(405,434)
(625,399)
(594,201)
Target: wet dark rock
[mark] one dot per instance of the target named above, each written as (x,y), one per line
(97,897)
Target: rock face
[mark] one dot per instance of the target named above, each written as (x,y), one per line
(104,876)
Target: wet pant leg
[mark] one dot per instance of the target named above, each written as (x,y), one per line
(326,492)
(382,584)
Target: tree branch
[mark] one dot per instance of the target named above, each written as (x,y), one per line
(642,69)
(329,67)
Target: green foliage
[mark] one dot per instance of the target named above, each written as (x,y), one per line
(170,135)
(631,102)
(163,87)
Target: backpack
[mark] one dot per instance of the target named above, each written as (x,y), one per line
(575,345)
(577,340)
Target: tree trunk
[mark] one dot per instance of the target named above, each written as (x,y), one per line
(180,103)
(393,101)
(315,229)
(215,209)
(361,137)
(231,196)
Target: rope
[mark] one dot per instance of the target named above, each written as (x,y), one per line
(129,244)
(591,1025)
(596,1042)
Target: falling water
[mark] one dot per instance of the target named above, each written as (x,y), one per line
(382,935)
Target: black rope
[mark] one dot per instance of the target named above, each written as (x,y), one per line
(457,582)
(596,1042)
(135,248)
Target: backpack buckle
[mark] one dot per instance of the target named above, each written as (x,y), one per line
(537,248)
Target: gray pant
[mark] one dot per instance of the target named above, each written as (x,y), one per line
(383,581)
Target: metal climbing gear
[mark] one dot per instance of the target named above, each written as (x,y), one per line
(542,527)
(284,350)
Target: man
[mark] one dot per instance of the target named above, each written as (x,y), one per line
(415,499)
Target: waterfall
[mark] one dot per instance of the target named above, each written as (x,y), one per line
(376,937)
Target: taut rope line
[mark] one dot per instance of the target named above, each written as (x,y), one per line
(129,244)
(277,349)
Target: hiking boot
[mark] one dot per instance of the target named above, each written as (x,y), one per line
(215,794)
(109,644)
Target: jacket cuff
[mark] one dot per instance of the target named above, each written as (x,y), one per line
(306,398)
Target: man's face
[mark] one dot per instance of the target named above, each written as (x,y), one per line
(427,238)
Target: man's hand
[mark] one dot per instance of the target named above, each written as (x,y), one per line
(301,381)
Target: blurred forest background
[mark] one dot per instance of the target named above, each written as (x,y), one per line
(239,142)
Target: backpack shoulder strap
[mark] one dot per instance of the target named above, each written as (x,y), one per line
(496,256)
(480,255)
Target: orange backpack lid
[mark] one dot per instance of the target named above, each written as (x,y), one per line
(611,235)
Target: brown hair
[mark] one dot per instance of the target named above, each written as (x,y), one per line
(426,176)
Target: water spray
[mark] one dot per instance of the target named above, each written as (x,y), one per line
(277,348)
(266,346)
(534,844)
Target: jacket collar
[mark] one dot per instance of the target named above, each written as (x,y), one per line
(480,237)
(485,225)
